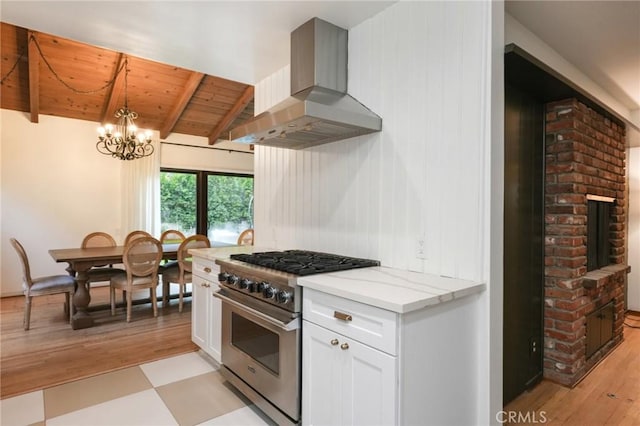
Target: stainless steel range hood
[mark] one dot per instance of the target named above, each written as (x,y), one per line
(319,109)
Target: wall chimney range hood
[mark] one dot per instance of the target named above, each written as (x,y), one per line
(319,110)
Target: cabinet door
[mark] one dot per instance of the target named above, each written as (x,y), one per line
(322,395)
(345,382)
(368,385)
(199,311)
(214,320)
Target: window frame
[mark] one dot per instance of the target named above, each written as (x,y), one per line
(202,187)
(599,210)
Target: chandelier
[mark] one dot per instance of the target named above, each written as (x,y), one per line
(123,140)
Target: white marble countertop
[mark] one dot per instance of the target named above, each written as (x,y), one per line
(214,253)
(392,289)
(387,288)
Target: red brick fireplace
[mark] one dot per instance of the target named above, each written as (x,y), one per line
(584,310)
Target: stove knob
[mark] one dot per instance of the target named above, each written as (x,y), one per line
(223,276)
(245,283)
(284,297)
(268,292)
(261,286)
(232,279)
(251,287)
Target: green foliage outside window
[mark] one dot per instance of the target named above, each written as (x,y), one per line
(178,200)
(228,201)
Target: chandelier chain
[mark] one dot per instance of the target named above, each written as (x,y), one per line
(121,141)
(33,39)
(13,67)
(126,81)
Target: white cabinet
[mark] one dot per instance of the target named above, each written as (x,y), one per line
(345,381)
(206,310)
(321,376)
(410,368)
(369,383)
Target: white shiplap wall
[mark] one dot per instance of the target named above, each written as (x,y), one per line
(422,67)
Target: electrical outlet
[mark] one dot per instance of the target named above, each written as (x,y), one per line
(421,249)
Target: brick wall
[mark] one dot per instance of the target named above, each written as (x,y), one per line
(585,154)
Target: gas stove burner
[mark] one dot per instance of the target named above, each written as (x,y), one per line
(303,262)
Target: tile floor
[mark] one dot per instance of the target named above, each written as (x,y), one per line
(182,390)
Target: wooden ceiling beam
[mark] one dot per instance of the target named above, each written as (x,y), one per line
(34,78)
(79,81)
(110,106)
(178,108)
(233,113)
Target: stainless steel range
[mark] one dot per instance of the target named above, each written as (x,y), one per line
(261,310)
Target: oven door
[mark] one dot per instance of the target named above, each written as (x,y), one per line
(261,345)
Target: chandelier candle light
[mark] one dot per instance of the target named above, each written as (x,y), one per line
(123,140)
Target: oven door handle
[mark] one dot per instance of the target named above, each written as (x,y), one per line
(294,324)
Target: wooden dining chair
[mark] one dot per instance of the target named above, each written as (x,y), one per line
(172,236)
(136,234)
(182,273)
(246,237)
(100,273)
(141,258)
(53,284)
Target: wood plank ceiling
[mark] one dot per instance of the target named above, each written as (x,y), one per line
(167,98)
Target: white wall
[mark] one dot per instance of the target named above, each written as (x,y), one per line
(195,153)
(633,167)
(491,322)
(56,188)
(421,177)
(425,68)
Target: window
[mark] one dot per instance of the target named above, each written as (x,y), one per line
(598,218)
(214,204)
(178,201)
(229,206)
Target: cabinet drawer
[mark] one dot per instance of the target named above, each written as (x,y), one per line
(367,324)
(206,269)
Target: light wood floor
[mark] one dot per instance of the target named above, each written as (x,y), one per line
(51,353)
(609,395)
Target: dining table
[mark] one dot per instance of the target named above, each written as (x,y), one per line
(80,260)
